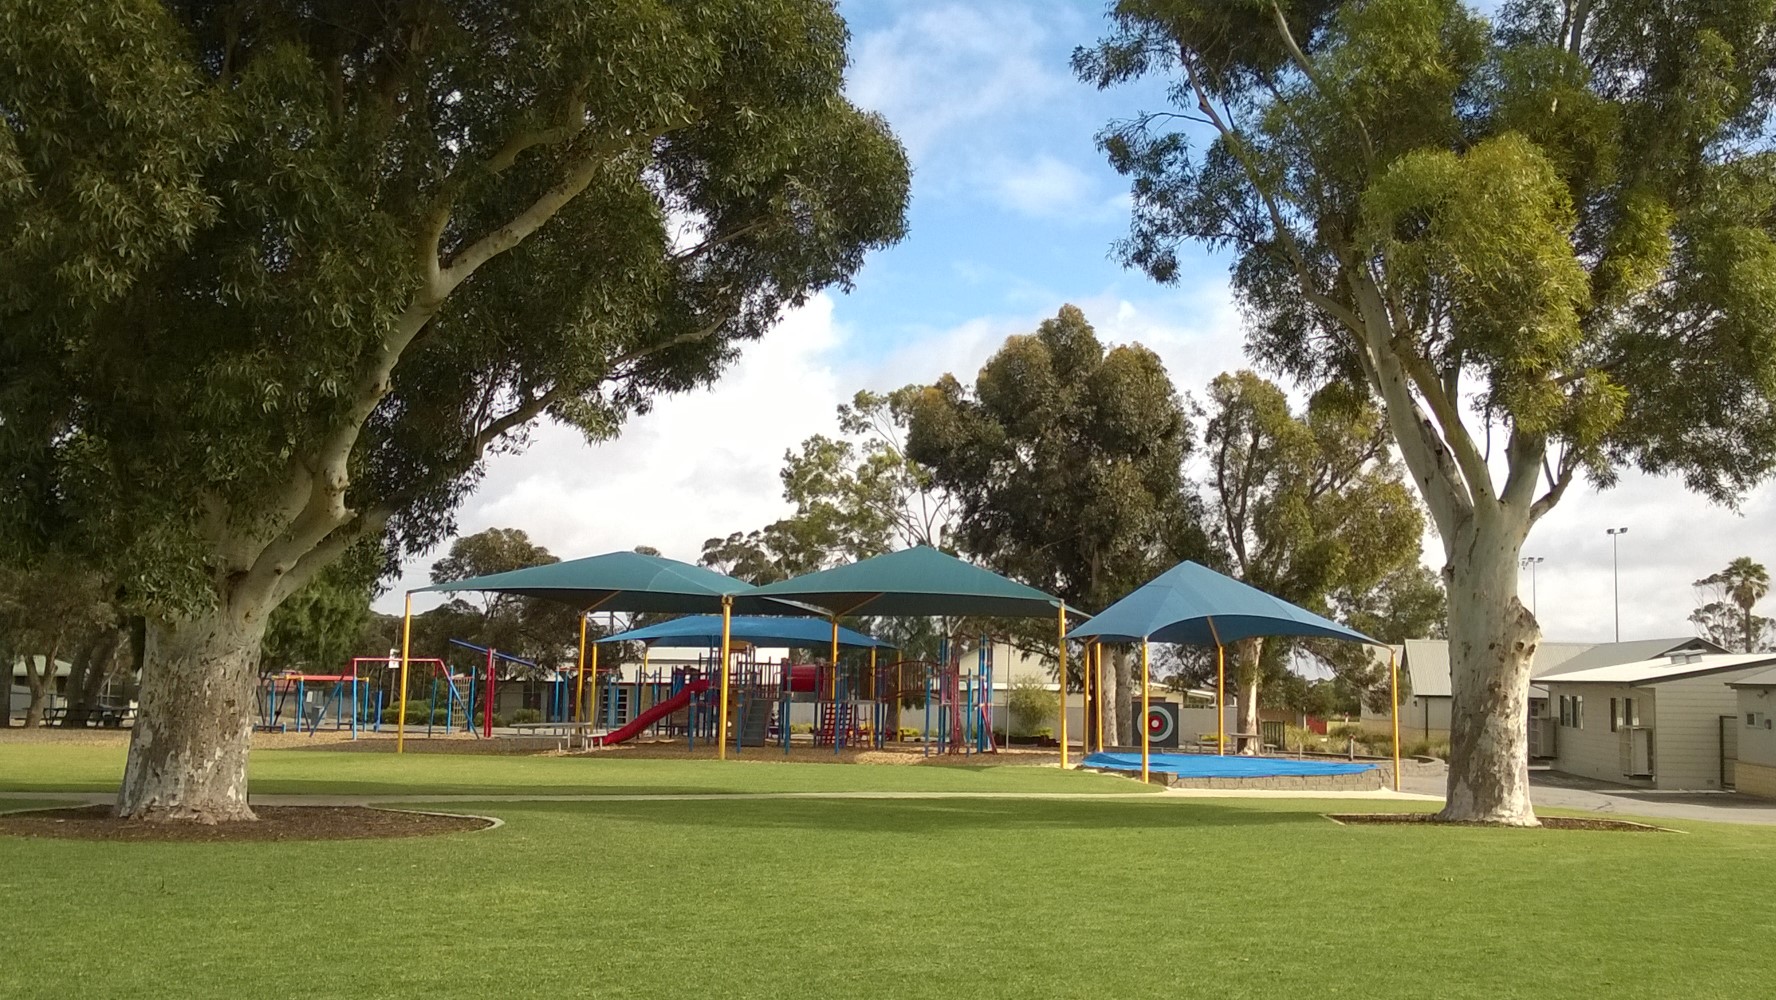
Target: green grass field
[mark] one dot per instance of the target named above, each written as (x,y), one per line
(40,767)
(1145,897)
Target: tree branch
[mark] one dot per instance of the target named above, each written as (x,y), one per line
(1455,433)
(1299,58)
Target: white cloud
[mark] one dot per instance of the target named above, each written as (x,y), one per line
(1049,188)
(935,72)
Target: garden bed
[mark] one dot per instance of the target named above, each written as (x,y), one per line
(275,823)
(1548,822)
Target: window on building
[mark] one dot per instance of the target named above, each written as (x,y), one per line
(1578,711)
(1630,713)
(1615,715)
(1566,718)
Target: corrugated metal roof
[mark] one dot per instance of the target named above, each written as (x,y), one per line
(1642,673)
(1766,678)
(1427,663)
(1608,654)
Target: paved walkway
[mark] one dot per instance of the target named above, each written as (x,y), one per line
(1562,791)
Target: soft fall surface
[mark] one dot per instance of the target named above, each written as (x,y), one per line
(29,767)
(1149,897)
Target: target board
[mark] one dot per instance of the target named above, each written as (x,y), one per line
(1162,724)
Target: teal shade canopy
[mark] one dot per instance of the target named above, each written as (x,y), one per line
(625,581)
(916,582)
(1191,603)
(706,630)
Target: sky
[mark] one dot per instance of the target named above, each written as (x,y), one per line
(1013,214)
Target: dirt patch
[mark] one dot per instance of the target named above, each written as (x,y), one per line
(1548,822)
(275,823)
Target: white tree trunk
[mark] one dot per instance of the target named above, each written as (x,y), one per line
(1247,656)
(1125,696)
(188,751)
(1115,697)
(1492,643)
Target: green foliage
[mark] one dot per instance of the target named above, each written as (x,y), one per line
(277,283)
(1065,465)
(526,715)
(1031,704)
(544,632)
(319,628)
(1559,213)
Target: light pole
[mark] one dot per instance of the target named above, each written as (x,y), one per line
(1529,563)
(1616,574)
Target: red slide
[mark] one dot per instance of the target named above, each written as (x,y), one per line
(653,715)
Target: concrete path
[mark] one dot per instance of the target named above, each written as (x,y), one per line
(1562,791)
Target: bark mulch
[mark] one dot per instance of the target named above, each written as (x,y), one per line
(1548,822)
(275,823)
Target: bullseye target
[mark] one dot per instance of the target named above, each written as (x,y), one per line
(1162,725)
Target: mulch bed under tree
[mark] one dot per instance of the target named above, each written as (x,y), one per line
(1548,822)
(275,823)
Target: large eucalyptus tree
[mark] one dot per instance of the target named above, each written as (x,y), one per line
(279,274)
(1544,242)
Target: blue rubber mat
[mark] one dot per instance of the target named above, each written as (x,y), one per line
(1203,765)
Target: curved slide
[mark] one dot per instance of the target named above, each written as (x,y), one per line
(628,732)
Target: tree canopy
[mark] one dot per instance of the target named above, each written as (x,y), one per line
(1727,615)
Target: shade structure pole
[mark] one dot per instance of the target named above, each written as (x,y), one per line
(580,685)
(594,680)
(1098,667)
(1146,732)
(1220,698)
(835,685)
(721,734)
(1085,702)
(875,694)
(1061,638)
(1394,710)
(406,640)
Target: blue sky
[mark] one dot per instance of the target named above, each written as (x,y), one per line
(1013,214)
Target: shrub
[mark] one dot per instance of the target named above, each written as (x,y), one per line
(1044,733)
(1031,704)
(526,715)
(908,733)
(801,727)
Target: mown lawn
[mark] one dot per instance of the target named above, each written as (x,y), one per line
(901,898)
(38,767)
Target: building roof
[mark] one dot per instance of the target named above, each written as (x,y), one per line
(1427,663)
(1608,654)
(1677,667)
(1762,679)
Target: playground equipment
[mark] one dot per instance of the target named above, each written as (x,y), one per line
(960,701)
(311,698)
(489,680)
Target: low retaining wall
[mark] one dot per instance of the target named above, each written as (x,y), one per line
(1755,779)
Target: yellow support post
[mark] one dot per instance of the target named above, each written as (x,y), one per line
(1394,703)
(1098,666)
(406,640)
(1146,734)
(580,684)
(1061,638)
(1220,690)
(721,733)
(1220,699)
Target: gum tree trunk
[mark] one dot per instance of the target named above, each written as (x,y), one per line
(1122,700)
(1247,655)
(1492,644)
(188,752)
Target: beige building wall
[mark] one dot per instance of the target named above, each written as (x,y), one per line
(1591,750)
(1688,740)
